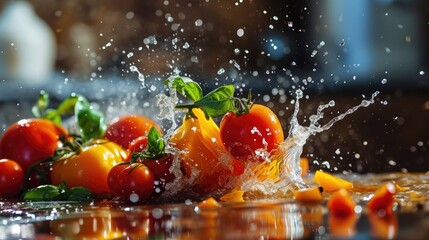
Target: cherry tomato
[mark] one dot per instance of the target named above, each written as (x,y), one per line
(113,180)
(29,141)
(136,182)
(11,178)
(127,128)
(89,168)
(137,145)
(161,171)
(244,134)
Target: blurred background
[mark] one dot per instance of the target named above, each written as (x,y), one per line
(335,50)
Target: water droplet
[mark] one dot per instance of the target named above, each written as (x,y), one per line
(240,32)
(290,24)
(221,71)
(422,73)
(383,81)
(198,22)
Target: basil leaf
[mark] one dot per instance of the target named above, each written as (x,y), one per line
(79,194)
(44,193)
(219,101)
(53,116)
(187,88)
(91,123)
(156,144)
(68,105)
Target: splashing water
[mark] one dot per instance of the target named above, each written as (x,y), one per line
(281,176)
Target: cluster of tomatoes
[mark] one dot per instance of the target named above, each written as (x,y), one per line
(117,164)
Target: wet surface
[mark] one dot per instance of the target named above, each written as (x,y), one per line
(262,219)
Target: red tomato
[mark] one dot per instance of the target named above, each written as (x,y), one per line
(127,128)
(90,167)
(137,183)
(161,171)
(11,178)
(244,134)
(113,180)
(29,141)
(137,145)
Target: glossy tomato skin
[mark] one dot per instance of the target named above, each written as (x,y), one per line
(113,179)
(11,178)
(127,128)
(90,167)
(137,145)
(29,141)
(259,129)
(137,183)
(161,171)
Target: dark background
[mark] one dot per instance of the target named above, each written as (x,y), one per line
(336,50)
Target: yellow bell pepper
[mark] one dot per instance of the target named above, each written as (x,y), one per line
(202,153)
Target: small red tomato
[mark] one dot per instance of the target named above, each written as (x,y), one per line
(136,182)
(137,145)
(29,141)
(127,128)
(113,179)
(244,134)
(161,171)
(11,178)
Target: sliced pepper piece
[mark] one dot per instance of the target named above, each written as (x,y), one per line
(331,183)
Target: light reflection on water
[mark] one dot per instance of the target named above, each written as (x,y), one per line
(279,219)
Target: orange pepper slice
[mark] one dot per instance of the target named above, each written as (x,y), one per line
(331,183)
(311,194)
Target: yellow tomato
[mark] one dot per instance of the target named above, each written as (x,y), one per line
(89,168)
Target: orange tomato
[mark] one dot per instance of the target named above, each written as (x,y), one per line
(243,134)
(90,167)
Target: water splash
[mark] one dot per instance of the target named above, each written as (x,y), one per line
(288,156)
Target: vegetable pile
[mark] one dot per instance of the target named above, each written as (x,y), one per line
(131,160)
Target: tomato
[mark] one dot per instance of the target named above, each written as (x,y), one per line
(243,134)
(203,153)
(127,128)
(89,167)
(11,178)
(113,180)
(137,145)
(29,141)
(136,182)
(161,171)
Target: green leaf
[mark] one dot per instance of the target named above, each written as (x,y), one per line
(53,116)
(156,144)
(187,88)
(91,123)
(68,105)
(41,105)
(79,194)
(44,193)
(219,101)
